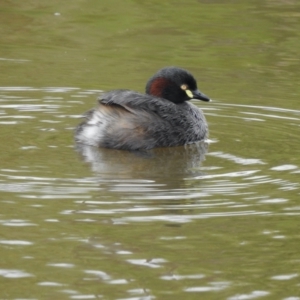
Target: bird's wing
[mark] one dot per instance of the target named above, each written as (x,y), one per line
(135,102)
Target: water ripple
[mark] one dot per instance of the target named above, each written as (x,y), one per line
(8,273)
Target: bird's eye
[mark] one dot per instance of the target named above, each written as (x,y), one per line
(184,87)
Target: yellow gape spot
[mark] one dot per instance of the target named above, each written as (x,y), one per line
(189,93)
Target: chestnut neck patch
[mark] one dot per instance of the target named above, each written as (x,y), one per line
(158,85)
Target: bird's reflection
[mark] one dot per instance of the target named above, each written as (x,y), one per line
(157,164)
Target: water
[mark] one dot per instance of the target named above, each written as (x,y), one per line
(215,220)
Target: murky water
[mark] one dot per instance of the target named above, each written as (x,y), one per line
(215,220)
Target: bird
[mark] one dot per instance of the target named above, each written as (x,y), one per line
(162,117)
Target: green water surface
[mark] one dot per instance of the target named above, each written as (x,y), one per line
(176,224)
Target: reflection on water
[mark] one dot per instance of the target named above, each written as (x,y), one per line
(155,163)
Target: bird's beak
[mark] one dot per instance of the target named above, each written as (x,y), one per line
(196,94)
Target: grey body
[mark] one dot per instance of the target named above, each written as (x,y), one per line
(129,120)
